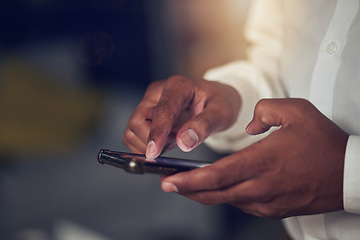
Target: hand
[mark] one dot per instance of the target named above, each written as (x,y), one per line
(180,111)
(296,170)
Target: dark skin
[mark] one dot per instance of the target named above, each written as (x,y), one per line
(296,170)
(171,107)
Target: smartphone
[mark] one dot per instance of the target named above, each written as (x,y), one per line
(137,163)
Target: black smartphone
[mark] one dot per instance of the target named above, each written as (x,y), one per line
(137,163)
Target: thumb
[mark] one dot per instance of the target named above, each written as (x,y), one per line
(267,113)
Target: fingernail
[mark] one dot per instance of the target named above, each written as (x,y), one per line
(189,139)
(169,187)
(151,150)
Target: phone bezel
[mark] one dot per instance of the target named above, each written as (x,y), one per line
(138,163)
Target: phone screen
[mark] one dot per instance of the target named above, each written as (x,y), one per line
(137,163)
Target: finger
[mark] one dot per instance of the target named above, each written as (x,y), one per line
(221,174)
(136,149)
(140,122)
(239,197)
(170,142)
(246,191)
(213,118)
(251,162)
(137,139)
(133,142)
(267,113)
(170,105)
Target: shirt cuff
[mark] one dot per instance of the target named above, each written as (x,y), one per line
(352,175)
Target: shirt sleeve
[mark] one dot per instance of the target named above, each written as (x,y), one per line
(256,77)
(352,176)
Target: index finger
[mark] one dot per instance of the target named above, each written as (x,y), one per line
(177,94)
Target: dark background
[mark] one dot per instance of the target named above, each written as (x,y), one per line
(25,23)
(71,73)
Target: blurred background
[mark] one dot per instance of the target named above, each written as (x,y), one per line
(71,73)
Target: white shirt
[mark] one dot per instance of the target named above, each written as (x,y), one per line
(308,49)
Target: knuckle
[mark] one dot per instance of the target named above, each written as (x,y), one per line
(265,198)
(299,108)
(206,124)
(177,79)
(127,136)
(265,193)
(134,124)
(152,86)
(260,109)
(155,84)
(301,101)
(174,83)
(125,141)
(260,193)
(268,212)
(153,91)
(303,104)
(261,104)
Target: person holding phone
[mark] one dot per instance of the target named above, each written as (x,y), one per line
(289,114)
